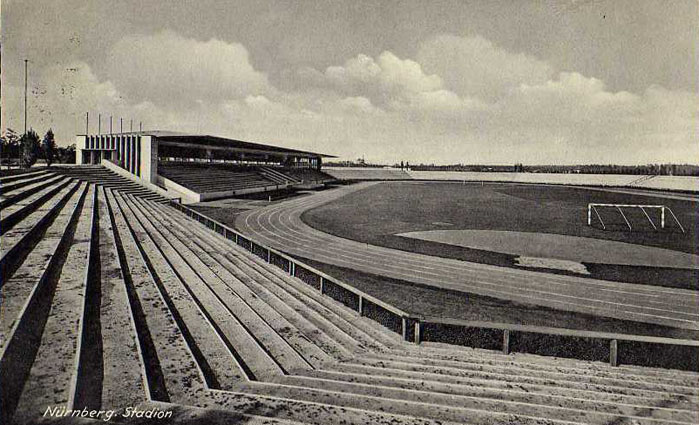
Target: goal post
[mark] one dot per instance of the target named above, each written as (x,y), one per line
(594,215)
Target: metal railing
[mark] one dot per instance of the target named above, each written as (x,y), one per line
(614,348)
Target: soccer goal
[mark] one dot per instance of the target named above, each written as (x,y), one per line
(593,214)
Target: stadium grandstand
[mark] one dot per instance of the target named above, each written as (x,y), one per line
(200,167)
(657,182)
(116,299)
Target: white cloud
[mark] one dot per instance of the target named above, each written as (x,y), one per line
(385,108)
(406,74)
(359,104)
(385,80)
(166,67)
(576,119)
(473,66)
(60,96)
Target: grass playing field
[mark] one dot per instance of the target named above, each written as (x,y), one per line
(378,214)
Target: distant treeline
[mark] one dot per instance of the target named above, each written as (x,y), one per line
(353,164)
(650,169)
(24,150)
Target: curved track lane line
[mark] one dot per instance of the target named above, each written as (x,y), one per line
(280,227)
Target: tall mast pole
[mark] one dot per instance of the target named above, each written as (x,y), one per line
(25,95)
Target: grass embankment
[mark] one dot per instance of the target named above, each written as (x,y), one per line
(426,300)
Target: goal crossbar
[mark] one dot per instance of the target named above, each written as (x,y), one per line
(592,207)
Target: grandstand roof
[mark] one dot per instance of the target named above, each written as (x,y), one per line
(205,140)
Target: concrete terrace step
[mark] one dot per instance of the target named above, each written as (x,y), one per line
(120,356)
(53,372)
(407,408)
(532,364)
(11,197)
(25,300)
(16,212)
(173,373)
(216,361)
(290,356)
(266,312)
(613,403)
(589,411)
(21,176)
(21,235)
(249,283)
(515,377)
(310,412)
(332,319)
(680,383)
(182,414)
(242,345)
(25,181)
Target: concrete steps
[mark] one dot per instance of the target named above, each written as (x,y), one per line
(25,233)
(17,287)
(108,179)
(14,213)
(569,374)
(246,300)
(479,404)
(218,363)
(228,328)
(310,412)
(20,176)
(203,179)
(122,365)
(265,281)
(258,329)
(13,196)
(597,401)
(173,372)
(54,372)
(25,180)
(26,300)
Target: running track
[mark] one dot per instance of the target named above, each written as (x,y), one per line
(280,226)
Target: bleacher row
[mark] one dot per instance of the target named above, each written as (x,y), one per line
(306,175)
(203,178)
(677,183)
(117,299)
(207,178)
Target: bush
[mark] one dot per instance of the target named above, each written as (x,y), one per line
(29,145)
(48,147)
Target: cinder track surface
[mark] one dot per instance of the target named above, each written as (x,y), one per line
(281,227)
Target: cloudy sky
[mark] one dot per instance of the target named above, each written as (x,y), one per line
(540,81)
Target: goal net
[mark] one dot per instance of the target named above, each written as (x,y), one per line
(632,216)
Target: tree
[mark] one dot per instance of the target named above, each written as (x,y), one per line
(69,154)
(65,155)
(30,147)
(48,147)
(9,145)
